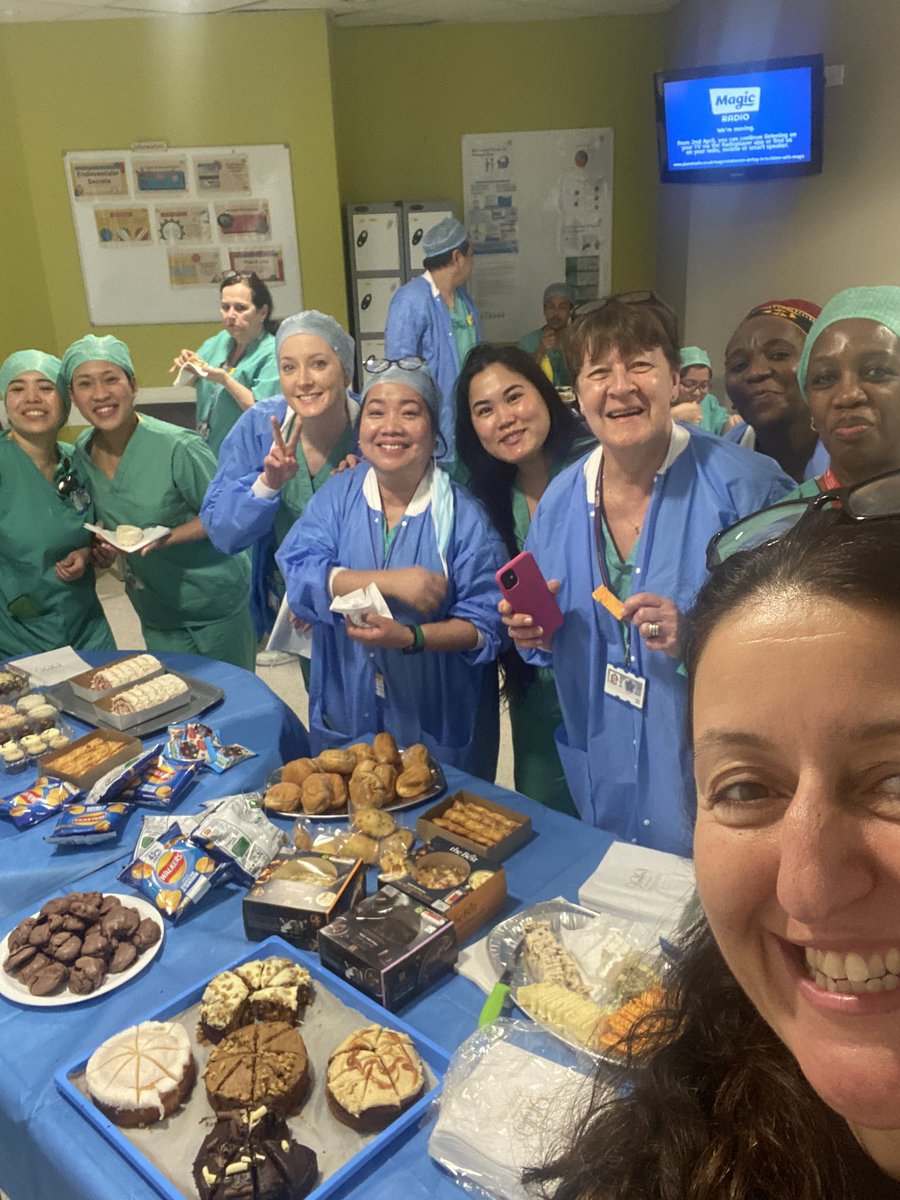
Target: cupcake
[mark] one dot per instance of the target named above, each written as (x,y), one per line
(27,703)
(33,744)
(55,738)
(41,717)
(13,727)
(6,710)
(10,683)
(13,758)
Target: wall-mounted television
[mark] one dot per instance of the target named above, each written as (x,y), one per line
(742,121)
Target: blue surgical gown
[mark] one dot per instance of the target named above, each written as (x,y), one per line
(745,435)
(419,323)
(428,697)
(629,770)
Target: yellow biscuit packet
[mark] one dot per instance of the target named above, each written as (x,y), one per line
(610,601)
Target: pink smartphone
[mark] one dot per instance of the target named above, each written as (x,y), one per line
(523,585)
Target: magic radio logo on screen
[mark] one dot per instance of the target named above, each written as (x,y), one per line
(726,100)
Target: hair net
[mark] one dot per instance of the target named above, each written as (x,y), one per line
(693,356)
(559,289)
(35,360)
(881,304)
(91,348)
(322,326)
(448,234)
(419,379)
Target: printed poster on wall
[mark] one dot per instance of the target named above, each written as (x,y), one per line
(184,223)
(99,179)
(118,226)
(194,268)
(164,174)
(267,263)
(538,210)
(231,173)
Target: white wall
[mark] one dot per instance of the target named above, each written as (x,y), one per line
(723,249)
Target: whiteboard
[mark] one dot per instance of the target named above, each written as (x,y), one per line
(156,229)
(538,211)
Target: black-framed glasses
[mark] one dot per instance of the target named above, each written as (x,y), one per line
(866,501)
(376,366)
(702,388)
(647,298)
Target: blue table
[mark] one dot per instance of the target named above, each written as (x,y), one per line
(50,1150)
(251,714)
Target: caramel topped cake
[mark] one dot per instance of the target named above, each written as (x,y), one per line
(142,1074)
(259,1064)
(373,1076)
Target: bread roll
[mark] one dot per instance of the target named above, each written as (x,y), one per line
(417,753)
(316,793)
(386,749)
(388,776)
(339,792)
(340,762)
(414,781)
(362,751)
(298,771)
(367,791)
(283,797)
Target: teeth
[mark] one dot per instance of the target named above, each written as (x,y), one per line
(852,972)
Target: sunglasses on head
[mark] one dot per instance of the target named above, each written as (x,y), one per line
(375,366)
(648,299)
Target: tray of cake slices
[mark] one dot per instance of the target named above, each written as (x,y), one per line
(138,694)
(272,1077)
(586,976)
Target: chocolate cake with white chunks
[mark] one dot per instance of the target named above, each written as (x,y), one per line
(373,1076)
(265,989)
(142,1074)
(75,941)
(258,1064)
(252,1156)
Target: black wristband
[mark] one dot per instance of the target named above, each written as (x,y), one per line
(418,640)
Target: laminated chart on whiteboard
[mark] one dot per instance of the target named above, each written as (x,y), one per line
(538,210)
(156,232)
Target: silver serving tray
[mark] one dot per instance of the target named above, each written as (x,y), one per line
(437,789)
(202,697)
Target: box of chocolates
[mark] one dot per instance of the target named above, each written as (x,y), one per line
(299,892)
(456,883)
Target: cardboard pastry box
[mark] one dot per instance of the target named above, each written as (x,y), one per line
(299,892)
(519,833)
(63,763)
(389,946)
(453,881)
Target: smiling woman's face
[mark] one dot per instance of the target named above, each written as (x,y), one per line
(33,405)
(797,846)
(761,370)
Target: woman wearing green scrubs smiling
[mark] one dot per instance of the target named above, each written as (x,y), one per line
(141,471)
(47,596)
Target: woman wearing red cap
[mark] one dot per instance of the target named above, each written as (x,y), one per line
(761,380)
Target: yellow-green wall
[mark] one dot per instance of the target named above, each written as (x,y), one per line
(404,96)
(95,85)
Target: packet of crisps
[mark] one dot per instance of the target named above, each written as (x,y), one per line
(238,829)
(191,742)
(113,783)
(155,825)
(83,824)
(162,783)
(226,757)
(173,872)
(45,798)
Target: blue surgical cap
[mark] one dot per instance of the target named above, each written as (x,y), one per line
(448,234)
(559,289)
(419,379)
(96,349)
(322,326)
(35,360)
(881,304)
(693,356)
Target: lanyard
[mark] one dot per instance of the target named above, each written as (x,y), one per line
(599,542)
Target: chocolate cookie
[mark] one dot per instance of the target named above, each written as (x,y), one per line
(86,975)
(120,922)
(88,910)
(73,924)
(38,962)
(58,905)
(19,958)
(123,956)
(48,980)
(109,902)
(40,934)
(147,934)
(96,944)
(68,950)
(19,936)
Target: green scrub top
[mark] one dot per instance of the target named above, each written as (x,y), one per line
(297,492)
(462,321)
(809,487)
(557,360)
(217,411)
(715,417)
(161,480)
(536,715)
(38,527)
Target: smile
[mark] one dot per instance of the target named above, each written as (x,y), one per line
(853,972)
(34,412)
(105,410)
(393,447)
(616,414)
(515,436)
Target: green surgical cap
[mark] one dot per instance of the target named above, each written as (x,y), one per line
(90,349)
(881,304)
(693,356)
(35,360)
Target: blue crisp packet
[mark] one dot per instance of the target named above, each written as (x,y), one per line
(224,757)
(83,824)
(173,873)
(114,782)
(45,798)
(162,783)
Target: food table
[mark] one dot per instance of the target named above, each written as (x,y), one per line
(50,1150)
(250,714)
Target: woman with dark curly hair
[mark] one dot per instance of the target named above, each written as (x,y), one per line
(775,1069)
(513,435)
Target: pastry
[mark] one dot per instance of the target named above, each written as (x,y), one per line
(158,690)
(373,1076)
(118,674)
(85,754)
(142,1074)
(340,761)
(253,1156)
(362,752)
(476,823)
(416,754)
(259,1064)
(298,771)
(14,758)
(26,703)
(385,749)
(548,961)
(358,845)
(10,682)
(366,789)
(129,535)
(222,1006)
(374,822)
(41,717)
(263,989)
(283,797)
(414,781)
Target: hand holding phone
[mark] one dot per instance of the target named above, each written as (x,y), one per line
(523,585)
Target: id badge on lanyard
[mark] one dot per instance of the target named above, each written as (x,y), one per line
(623,685)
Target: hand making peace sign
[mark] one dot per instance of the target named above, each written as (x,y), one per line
(280,464)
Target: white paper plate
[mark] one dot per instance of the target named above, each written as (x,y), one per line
(12,989)
(152,534)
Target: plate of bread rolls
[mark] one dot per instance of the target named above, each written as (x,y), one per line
(380,775)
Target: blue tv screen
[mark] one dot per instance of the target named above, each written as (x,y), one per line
(743,121)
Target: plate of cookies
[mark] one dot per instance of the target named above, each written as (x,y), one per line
(336,782)
(78,947)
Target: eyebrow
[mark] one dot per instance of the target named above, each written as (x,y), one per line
(739,739)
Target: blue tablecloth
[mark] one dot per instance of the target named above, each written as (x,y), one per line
(49,1150)
(251,714)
